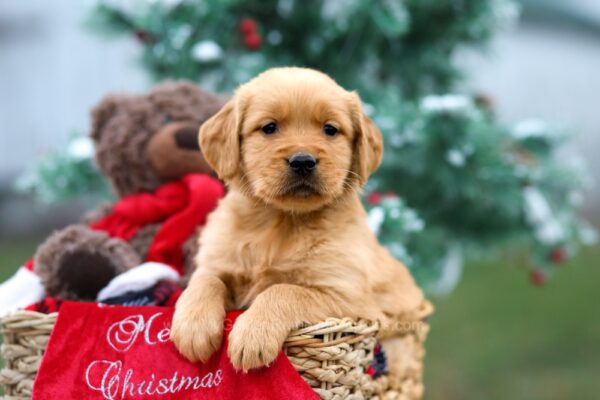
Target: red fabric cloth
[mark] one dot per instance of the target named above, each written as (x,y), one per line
(121,353)
(181,206)
(47,305)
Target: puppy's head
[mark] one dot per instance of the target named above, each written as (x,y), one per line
(293,138)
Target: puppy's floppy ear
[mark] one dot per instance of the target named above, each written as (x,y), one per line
(219,139)
(368,142)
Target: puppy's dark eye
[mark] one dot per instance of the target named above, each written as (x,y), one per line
(330,130)
(269,128)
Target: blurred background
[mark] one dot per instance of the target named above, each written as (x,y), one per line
(496,335)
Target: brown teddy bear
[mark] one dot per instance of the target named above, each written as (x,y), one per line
(148,149)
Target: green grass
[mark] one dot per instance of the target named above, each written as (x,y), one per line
(496,336)
(13,254)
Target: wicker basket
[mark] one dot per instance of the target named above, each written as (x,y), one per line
(332,356)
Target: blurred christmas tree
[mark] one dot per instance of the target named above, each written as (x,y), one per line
(463,183)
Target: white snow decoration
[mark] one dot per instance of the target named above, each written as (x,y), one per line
(451,272)
(159,50)
(274,37)
(409,135)
(530,128)
(385,122)
(207,51)
(548,229)
(446,103)
(375,218)
(537,209)
(338,11)
(579,167)
(413,223)
(81,148)
(456,157)
(285,7)
(181,35)
(550,232)
(396,140)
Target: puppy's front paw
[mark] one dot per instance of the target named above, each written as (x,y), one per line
(197,332)
(254,342)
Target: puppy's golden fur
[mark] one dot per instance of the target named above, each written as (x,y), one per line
(291,250)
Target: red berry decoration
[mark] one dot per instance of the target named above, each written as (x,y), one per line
(248,26)
(537,277)
(558,256)
(374,198)
(143,36)
(253,41)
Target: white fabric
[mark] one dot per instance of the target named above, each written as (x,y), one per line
(141,277)
(20,290)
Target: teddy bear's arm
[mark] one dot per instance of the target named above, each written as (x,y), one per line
(76,262)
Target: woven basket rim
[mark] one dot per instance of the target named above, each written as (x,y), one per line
(332,356)
(24,318)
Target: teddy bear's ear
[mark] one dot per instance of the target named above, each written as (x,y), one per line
(103,113)
(219,139)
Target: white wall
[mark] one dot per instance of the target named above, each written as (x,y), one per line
(552,73)
(52,71)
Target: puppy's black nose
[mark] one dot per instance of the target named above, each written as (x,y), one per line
(303,164)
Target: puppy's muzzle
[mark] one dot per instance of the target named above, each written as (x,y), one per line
(303,164)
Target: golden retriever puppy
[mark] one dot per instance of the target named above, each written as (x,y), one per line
(290,240)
